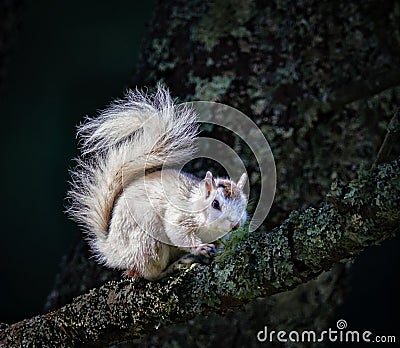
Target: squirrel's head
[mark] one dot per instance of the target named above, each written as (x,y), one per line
(225,203)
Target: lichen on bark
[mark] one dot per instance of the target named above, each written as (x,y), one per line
(305,244)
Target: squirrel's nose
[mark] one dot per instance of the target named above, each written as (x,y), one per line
(234,228)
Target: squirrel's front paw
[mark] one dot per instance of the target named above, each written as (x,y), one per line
(200,254)
(204,250)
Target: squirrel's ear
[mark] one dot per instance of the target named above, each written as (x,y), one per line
(242,181)
(209,184)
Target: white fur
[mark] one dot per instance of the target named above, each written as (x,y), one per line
(137,216)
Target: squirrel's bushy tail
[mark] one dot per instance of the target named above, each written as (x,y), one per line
(137,134)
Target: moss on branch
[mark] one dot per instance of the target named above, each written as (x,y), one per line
(359,214)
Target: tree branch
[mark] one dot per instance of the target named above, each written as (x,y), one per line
(374,83)
(362,213)
(361,88)
(392,136)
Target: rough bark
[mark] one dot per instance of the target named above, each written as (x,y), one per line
(362,213)
(320,78)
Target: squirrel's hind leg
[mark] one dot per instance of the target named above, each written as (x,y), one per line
(131,273)
(200,254)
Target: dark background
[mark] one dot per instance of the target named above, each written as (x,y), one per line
(69,60)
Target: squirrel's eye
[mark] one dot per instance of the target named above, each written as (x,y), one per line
(215,205)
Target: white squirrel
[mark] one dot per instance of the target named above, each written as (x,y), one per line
(139,213)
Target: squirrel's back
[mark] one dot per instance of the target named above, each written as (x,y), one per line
(134,136)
